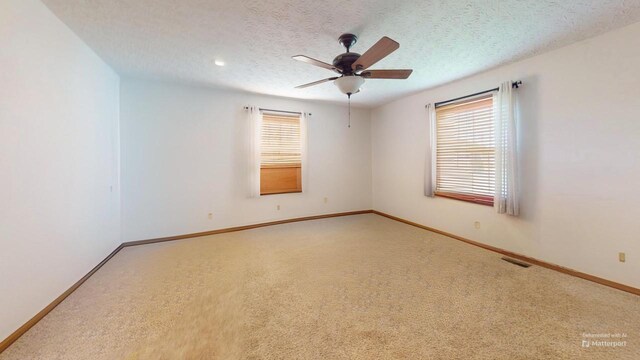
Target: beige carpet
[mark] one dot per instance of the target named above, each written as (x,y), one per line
(358,287)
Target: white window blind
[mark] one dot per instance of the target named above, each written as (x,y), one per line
(281,142)
(465,150)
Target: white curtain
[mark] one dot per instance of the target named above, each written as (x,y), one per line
(430,160)
(254,118)
(506,195)
(303,148)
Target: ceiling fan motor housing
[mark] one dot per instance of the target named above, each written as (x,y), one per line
(344,61)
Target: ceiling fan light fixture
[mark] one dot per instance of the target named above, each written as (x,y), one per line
(349,84)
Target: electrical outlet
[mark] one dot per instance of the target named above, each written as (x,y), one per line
(622,257)
(210,216)
(476,224)
(278,207)
(326,200)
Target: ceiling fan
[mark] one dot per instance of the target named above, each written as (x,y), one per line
(353,67)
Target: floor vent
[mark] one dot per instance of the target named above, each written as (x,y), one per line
(516,262)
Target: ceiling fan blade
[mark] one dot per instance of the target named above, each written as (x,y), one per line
(386,74)
(316,82)
(313,61)
(377,52)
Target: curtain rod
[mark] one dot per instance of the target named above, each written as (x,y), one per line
(279,111)
(515,85)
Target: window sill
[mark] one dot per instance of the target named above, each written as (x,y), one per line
(281,192)
(476,199)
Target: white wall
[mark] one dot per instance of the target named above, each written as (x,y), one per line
(184,156)
(58,158)
(580,154)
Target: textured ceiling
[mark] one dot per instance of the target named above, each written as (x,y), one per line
(441,40)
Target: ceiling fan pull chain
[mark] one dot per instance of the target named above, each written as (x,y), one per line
(349,95)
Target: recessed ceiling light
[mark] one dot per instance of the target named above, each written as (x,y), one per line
(219,62)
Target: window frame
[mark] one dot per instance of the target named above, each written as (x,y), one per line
(273,169)
(481,199)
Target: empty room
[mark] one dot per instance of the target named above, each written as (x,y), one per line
(217,179)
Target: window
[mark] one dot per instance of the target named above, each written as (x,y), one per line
(465,150)
(280,154)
